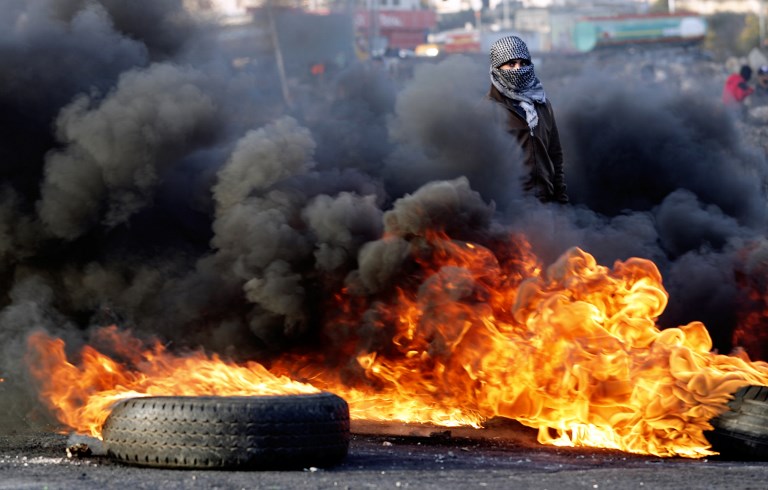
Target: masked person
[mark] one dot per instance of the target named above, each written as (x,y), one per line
(528,116)
(736,89)
(760,95)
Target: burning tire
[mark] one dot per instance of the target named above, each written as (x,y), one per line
(742,431)
(261,432)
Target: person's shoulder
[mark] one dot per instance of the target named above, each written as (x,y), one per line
(548,106)
(495,95)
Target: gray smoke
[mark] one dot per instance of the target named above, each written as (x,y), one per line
(117,152)
(164,27)
(151,183)
(673,165)
(444,129)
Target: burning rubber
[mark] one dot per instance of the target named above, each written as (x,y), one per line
(742,431)
(259,432)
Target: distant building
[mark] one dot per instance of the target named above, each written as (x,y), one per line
(398,4)
(451,6)
(221,7)
(708,7)
(387,25)
(584,3)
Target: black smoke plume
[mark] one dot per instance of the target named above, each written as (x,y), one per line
(153,181)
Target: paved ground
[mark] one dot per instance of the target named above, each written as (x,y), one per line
(39,461)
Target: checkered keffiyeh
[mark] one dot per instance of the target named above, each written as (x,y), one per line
(508,48)
(519,84)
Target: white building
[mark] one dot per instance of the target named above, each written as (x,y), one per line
(220,7)
(394,4)
(582,3)
(708,7)
(453,6)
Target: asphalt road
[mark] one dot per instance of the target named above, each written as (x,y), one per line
(440,461)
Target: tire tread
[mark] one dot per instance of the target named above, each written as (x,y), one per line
(288,431)
(742,431)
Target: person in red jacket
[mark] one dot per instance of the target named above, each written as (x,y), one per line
(736,89)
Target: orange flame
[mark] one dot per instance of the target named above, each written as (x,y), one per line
(81,396)
(751,332)
(573,351)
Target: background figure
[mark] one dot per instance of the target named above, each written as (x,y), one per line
(528,115)
(736,90)
(760,96)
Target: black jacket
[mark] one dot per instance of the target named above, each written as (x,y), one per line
(542,153)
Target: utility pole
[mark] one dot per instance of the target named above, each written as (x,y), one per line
(279,56)
(477,6)
(761,20)
(373,28)
(505,4)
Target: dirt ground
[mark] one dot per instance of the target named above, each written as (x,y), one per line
(510,458)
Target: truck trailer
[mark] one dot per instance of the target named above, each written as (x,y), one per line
(599,32)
